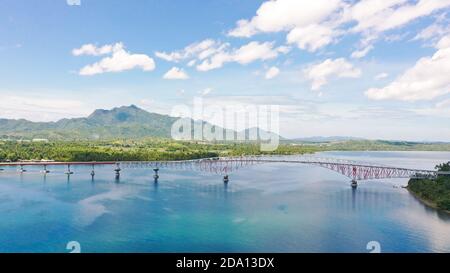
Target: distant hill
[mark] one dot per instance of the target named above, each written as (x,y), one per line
(121,122)
(319,139)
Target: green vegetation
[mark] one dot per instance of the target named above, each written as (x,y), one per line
(167,149)
(381,145)
(142,150)
(435,192)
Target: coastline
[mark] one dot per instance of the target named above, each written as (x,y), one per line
(426,202)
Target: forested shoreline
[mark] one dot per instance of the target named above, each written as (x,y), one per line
(123,150)
(166,149)
(434,192)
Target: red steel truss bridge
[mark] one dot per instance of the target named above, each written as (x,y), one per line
(226,165)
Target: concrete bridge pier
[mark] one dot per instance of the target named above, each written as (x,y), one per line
(354,184)
(226,179)
(156,176)
(117,170)
(68,172)
(93,171)
(45,171)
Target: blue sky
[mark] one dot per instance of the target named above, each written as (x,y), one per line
(373,69)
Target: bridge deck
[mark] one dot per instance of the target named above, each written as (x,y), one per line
(53,163)
(224,165)
(211,160)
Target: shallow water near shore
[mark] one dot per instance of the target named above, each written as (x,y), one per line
(274,207)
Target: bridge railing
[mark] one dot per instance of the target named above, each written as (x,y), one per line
(224,165)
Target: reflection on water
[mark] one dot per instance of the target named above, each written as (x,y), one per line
(269,207)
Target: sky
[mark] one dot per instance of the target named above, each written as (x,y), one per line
(377,69)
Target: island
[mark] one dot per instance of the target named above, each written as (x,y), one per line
(434,192)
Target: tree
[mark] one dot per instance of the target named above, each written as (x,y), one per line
(444,167)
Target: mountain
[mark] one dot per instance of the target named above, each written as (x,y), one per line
(120,122)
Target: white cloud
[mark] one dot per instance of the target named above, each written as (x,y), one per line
(311,37)
(315,24)
(170,57)
(426,80)
(243,29)
(444,42)
(361,53)
(380,16)
(246,54)
(176,73)
(381,76)
(191,63)
(432,31)
(201,50)
(254,51)
(375,17)
(272,72)
(37,108)
(284,15)
(91,49)
(216,61)
(210,54)
(120,59)
(320,73)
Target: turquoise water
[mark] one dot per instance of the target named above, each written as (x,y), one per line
(264,208)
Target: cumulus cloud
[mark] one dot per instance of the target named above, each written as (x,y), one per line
(374,18)
(191,63)
(210,54)
(246,54)
(176,73)
(311,37)
(93,50)
(201,50)
(254,51)
(432,31)
(272,72)
(380,16)
(120,59)
(315,24)
(216,61)
(361,53)
(284,15)
(320,73)
(426,80)
(444,42)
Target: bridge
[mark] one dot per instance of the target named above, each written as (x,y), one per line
(354,170)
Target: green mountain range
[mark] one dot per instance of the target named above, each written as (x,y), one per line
(128,122)
(120,122)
